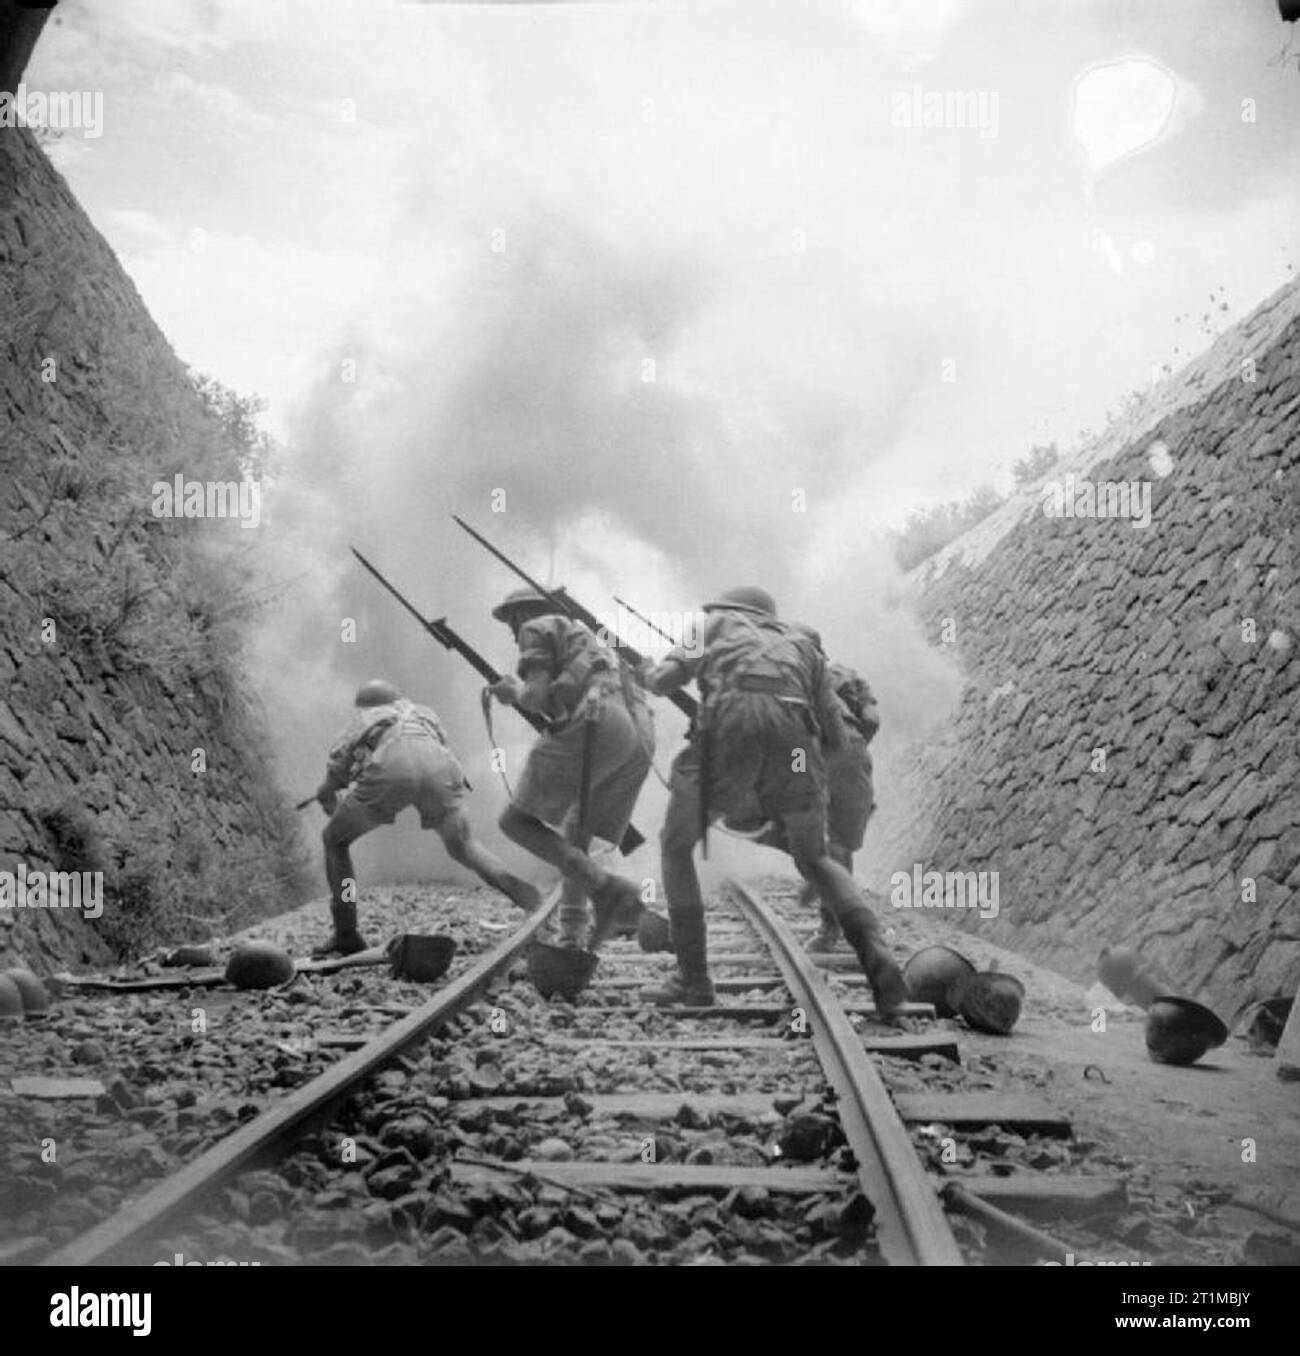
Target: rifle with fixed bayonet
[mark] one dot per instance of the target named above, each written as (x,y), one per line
(644,620)
(570,606)
(445,636)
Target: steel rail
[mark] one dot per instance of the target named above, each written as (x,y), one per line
(910,1224)
(295,1114)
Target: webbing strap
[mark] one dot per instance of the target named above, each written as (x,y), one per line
(486,700)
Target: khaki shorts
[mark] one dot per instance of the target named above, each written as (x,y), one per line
(407,772)
(752,767)
(552,777)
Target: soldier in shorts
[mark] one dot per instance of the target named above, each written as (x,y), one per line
(601,735)
(767,713)
(395,754)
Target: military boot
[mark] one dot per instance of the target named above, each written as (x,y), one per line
(346,941)
(862,932)
(690,986)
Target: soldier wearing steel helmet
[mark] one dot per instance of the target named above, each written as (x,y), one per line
(768,718)
(583,775)
(395,754)
(851,797)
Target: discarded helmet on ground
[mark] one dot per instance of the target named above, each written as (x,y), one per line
(560,971)
(523,599)
(11,1000)
(259,965)
(1180,1031)
(653,932)
(421,957)
(932,973)
(811,632)
(35,997)
(377,692)
(989,1001)
(745,598)
(1264,1022)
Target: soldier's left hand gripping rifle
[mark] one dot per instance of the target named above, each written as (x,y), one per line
(448,638)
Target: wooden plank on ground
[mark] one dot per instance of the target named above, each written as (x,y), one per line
(661,1176)
(1047,1196)
(1012,1111)
(193,979)
(724,983)
(54,1089)
(762,1012)
(650,1106)
(901,1047)
(914,1046)
(750,958)
(759,1043)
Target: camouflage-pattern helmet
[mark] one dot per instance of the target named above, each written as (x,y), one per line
(811,632)
(377,692)
(522,600)
(745,598)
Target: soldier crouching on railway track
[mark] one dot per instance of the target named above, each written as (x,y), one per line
(395,754)
(767,713)
(851,797)
(585,773)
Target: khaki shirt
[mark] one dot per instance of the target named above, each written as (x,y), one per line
(373,727)
(741,652)
(572,658)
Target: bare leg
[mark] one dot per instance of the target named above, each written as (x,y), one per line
(861,930)
(542,841)
(681,831)
(616,898)
(574,913)
(831,928)
(464,848)
(345,826)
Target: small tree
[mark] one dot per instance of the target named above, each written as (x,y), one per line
(931,529)
(237,415)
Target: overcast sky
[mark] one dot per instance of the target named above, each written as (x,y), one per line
(278,177)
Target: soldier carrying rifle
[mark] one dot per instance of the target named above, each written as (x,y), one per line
(395,754)
(585,771)
(768,718)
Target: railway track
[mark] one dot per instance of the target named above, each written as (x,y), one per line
(490,1125)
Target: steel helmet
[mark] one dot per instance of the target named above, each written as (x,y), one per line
(931,975)
(559,971)
(36,998)
(989,1001)
(811,632)
(520,600)
(259,965)
(377,692)
(1179,1031)
(745,598)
